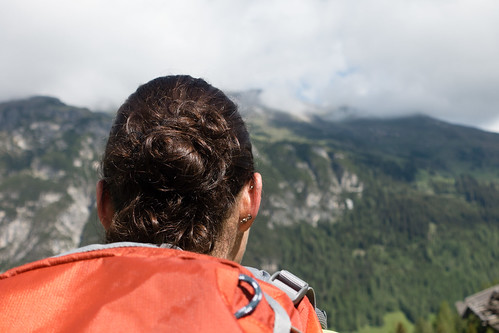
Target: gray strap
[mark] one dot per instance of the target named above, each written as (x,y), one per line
(322,316)
(97,247)
(294,287)
(282,323)
(259,273)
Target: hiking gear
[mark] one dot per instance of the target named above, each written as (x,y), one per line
(247,309)
(294,287)
(125,287)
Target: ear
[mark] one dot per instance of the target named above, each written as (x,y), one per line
(250,202)
(105,210)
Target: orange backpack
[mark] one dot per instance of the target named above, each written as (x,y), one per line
(125,288)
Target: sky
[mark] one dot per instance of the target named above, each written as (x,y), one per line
(378,57)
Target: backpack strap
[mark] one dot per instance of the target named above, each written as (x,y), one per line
(294,287)
(282,322)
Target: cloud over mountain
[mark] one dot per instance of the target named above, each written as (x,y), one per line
(383,57)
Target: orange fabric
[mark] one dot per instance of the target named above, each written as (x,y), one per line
(134,289)
(307,311)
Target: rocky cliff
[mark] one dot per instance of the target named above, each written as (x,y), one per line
(49,163)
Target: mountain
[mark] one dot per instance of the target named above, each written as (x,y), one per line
(422,230)
(49,156)
(379,215)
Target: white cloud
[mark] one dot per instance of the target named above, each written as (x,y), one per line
(383,56)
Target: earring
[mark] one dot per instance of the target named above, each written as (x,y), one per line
(246,219)
(252,187)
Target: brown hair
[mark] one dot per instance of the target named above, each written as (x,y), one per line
(177,156)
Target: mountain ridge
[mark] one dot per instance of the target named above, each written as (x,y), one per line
(370,212)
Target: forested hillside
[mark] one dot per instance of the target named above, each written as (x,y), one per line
(424,230)
(378,215)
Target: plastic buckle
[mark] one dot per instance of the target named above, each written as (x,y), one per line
(292,285)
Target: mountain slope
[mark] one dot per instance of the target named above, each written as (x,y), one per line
(378,215)
(49,155)
(423,229)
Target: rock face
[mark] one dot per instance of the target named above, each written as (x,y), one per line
(312,186)
(49,161)
(49,155)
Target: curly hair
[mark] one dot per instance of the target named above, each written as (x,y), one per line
(177,156)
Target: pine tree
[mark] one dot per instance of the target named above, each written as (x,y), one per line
(423,326)
(445,322)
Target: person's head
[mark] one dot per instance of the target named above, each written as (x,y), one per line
(178,169)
